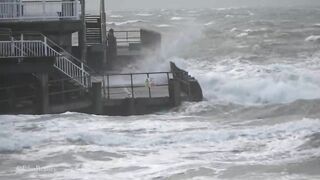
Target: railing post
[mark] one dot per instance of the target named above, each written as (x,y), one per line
(148,77)
(104,85)
(108,85)
(12,47)
(21,43)
(45,46)
(168,78)
(82,74)
(132,92)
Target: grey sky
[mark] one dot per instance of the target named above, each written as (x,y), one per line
(151,4)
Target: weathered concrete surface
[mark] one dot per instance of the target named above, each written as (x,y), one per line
(97,98)
(137,106)
(82,105)
(50,27)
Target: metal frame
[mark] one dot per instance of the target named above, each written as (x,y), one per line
(132,85)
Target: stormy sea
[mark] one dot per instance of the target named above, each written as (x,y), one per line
(260,73)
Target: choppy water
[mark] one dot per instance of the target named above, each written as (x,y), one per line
(259,69)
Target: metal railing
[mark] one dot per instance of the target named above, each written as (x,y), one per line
(127,37)
(19,10)
(136,85)
(65,62)
(11,49)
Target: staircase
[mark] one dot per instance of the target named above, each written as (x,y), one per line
(93,30)
(67,64)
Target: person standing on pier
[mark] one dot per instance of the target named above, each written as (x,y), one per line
(112,45)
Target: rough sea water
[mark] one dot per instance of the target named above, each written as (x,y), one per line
(260,73)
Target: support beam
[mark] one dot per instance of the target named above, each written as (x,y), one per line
(174,92)
(104,33)
(43,93)
(97,98)
(83,42)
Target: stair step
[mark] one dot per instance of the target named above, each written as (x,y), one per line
(89,17)
(93,39)
(93,30)
(97,29)
(93,36)
(90,32)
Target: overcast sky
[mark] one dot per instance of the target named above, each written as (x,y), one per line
(152,4)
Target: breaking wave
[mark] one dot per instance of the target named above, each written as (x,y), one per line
(241,82)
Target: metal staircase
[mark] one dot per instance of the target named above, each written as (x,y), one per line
(93,30)
(69,65)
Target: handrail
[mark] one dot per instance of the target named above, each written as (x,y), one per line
(130,36)
(41,48)
(125,74)
(58,46)
(10,49)
(69,55)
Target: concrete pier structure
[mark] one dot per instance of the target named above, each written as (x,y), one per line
(41,72)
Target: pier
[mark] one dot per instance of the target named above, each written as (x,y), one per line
(42,72)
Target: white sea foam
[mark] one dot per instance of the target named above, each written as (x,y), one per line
(244,34)
(229,16)
(234,30)
(209,23)
(176,18)
(226,9)
(250,13)
(163,25)
(144,14)
(313,38)
(125,22)
(116,16)
(317,25)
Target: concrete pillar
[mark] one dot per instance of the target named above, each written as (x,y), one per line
(97,98)
(43,93)
(175,92)
(83,39)
(104,32)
